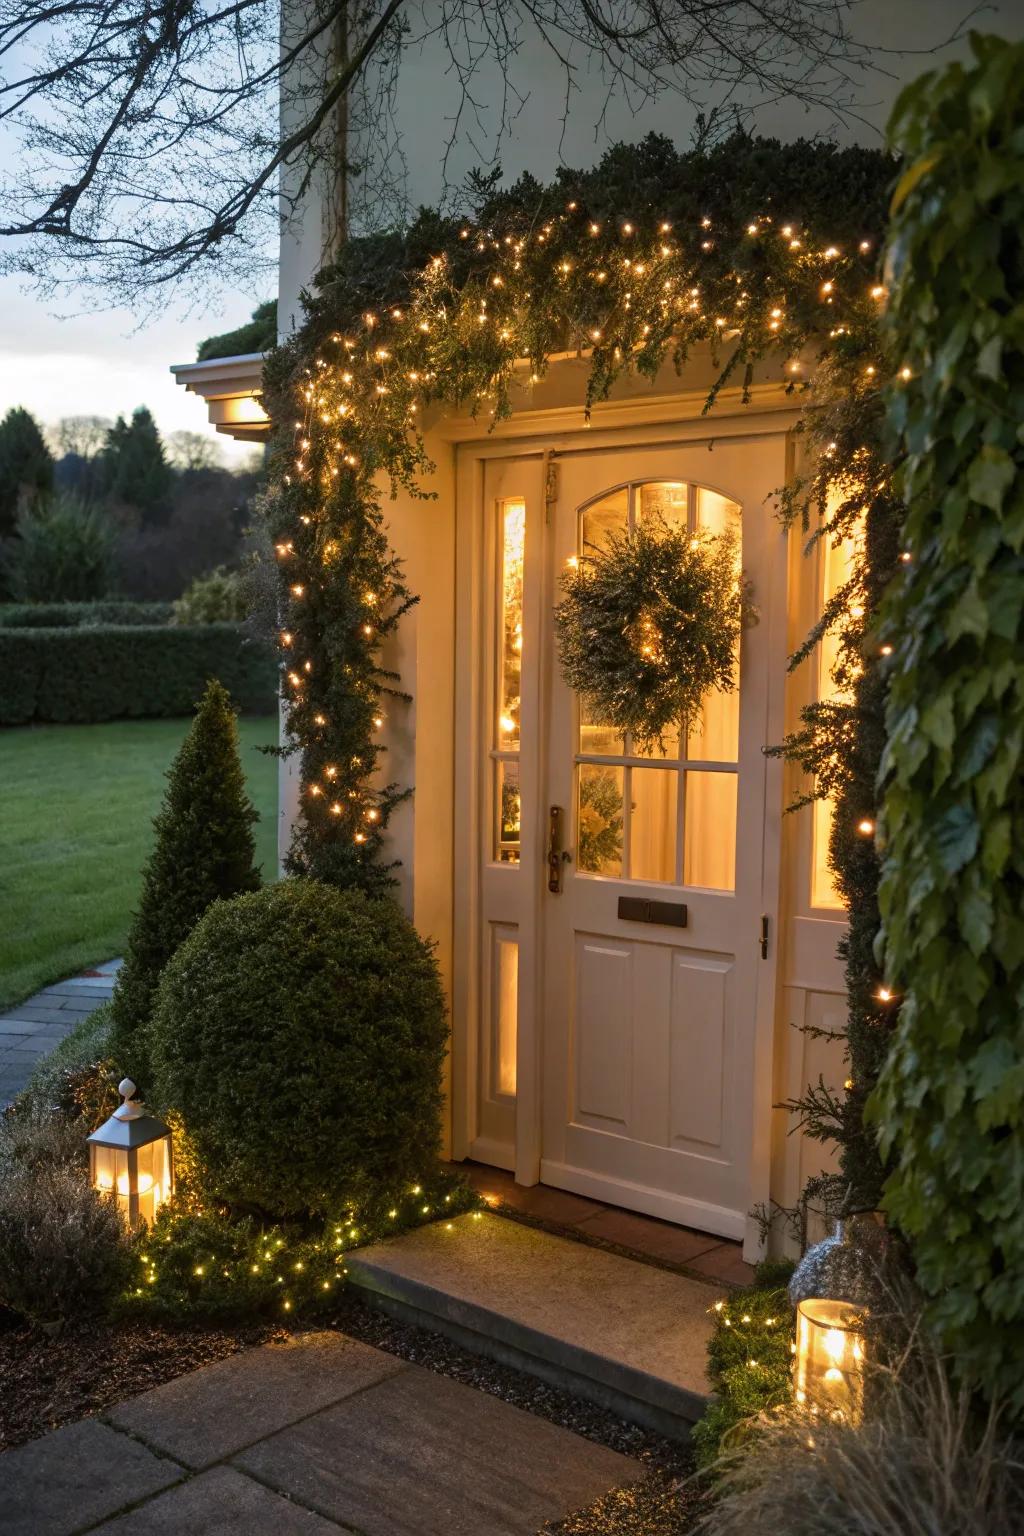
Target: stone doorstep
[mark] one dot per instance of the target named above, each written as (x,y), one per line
(627,1336)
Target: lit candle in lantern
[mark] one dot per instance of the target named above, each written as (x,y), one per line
(130,1157)
(830,1357)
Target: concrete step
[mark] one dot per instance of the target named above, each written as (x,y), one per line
(625,1335)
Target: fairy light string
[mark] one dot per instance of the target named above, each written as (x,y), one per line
(475,327)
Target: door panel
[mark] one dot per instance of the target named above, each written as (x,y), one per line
(604,986)
(701,1047)
(648,1030)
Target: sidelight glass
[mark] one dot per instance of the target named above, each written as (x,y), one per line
(509,671)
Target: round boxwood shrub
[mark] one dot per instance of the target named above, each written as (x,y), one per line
(299,1031)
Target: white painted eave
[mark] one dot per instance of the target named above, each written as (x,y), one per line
(232,388)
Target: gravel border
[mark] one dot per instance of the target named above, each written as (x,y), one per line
(47,1382)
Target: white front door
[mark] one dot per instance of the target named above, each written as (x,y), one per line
(616,1017)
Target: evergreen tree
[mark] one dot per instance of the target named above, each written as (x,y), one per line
(203,851)
(26,466)
(135,469)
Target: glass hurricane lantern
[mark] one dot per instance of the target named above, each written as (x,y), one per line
(131,1156)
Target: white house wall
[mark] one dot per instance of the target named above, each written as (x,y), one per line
(427,101)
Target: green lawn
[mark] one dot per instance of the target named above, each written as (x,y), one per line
(76,805)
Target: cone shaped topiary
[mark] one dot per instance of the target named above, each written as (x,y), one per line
(204,850)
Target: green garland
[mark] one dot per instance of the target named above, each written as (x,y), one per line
(639,261)
(648,625)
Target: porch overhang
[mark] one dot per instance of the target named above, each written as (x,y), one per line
(232,388)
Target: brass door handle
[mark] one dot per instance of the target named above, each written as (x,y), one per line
(556,854)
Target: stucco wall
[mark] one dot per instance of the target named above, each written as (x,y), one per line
(428,100)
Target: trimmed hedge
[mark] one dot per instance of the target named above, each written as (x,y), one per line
(114,672)
(299,1032)
(78,615)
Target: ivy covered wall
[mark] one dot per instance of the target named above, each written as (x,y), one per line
(951,1100)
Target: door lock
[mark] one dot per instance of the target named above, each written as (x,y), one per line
(557,855)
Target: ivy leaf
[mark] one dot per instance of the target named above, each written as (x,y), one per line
(956,838)
(910,179)
(990,476)
(990,358)
(969,616)
(976,920)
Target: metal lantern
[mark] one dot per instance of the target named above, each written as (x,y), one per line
(130,1156)
(830,1358)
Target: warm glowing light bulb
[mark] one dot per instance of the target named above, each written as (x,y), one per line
(866,826)
(835,1344)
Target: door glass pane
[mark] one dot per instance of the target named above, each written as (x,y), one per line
(710,831)
(601,740)
(506,1006)
(664,500)
(668,748)
(652,825)
(608,515)
(715,735)
(508,812)
(716,513)
(599,820)
(510,640)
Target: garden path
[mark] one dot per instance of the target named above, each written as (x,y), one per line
(315,1435)
(32,1030)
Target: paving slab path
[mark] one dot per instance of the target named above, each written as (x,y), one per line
(316,1435)
(30,1031)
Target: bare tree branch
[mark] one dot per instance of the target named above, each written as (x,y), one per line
(157,141)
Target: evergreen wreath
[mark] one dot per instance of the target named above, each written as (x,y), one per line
(648,626)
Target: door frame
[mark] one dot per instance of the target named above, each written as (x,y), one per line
(534,447)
